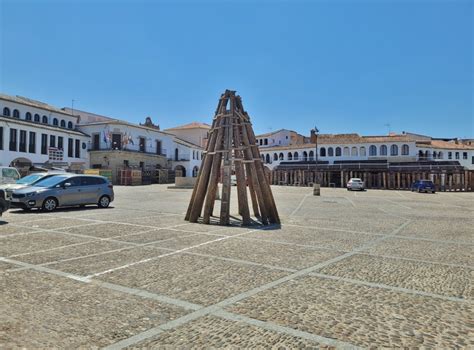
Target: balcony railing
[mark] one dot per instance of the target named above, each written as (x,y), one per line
(180,157)
(162,153)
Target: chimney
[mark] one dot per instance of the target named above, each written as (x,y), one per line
(312,138)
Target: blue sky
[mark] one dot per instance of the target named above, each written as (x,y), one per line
(345,66)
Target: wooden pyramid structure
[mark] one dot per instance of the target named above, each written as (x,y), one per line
(232,146)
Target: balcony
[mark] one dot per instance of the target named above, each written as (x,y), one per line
(184,157)
(91,148)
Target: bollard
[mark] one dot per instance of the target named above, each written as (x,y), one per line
(316,190)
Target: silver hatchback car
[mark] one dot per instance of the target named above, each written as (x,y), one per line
(64,190)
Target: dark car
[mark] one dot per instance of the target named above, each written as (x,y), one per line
(423,186)
(4,202)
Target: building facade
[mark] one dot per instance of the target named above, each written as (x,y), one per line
(34,133)
(391,161)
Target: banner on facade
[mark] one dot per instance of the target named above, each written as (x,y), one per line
(55,154)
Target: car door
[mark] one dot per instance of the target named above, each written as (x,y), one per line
(90,189)
(70,193)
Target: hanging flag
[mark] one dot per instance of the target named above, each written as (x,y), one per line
(105,136)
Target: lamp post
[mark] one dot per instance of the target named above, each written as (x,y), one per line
(316,130)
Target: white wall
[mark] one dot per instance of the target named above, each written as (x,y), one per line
(7,156)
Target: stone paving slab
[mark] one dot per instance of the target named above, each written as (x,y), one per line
(383,224)
(6,230)
(186,241)
(363,316)
(157,220)
(152,236)
(58,223)
(211,332)
(39,310)
(105,230)
(6,266)
(461,230)
(280,255)
(89,265)
(315,237)
(195,279)
(432,278)
(450,253)
(74,251)
(35,241)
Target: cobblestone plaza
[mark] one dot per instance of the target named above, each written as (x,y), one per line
(344,270)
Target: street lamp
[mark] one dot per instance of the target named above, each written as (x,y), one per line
(316,130)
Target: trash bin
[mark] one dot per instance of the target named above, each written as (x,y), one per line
(316,190)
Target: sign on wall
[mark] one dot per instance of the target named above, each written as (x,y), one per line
(55,154)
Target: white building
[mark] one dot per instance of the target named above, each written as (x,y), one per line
(116,143)
(35,133)
(338,148)
(196,133)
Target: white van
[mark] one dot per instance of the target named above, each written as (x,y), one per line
(8,175)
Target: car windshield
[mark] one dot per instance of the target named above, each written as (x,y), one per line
(51,181)
(28,180)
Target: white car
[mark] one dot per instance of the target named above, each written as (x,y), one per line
(8,175)
(355,184)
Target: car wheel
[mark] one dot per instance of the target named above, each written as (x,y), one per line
(50,204)
(104,202)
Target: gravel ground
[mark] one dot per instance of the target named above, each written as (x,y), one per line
(364,269)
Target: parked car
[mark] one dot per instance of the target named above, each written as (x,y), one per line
(64,190)
(8,175)
(423,186)
(28,180)
(355,184)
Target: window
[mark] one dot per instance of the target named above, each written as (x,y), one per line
(6,112)
(464,155)
(322,152)
(457,155)
(37,118)
(22,141)
(142,143)
(126,163)
(275,156)
(70,148)
(281,156)
(311,155)
(55,122)
(405,150)
(450,155)
(69,125)
(194,154)
(44,144)
(472,160)
(354,152)
(383,150)
(95,142)
(60,142)
(372,151)
(394,150)
(290,156)
(77,149)
(32,142)
(44,120)
(91,181)
(295,156)
(330,152)
(28,116)
(345,152)
(265,142)
(13,140)
(52,141)
(267,158)
(176,154)
(16,113)
(63,123)
(1,137)
(305,156)
(440,155)
(338,151)
(362,152)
